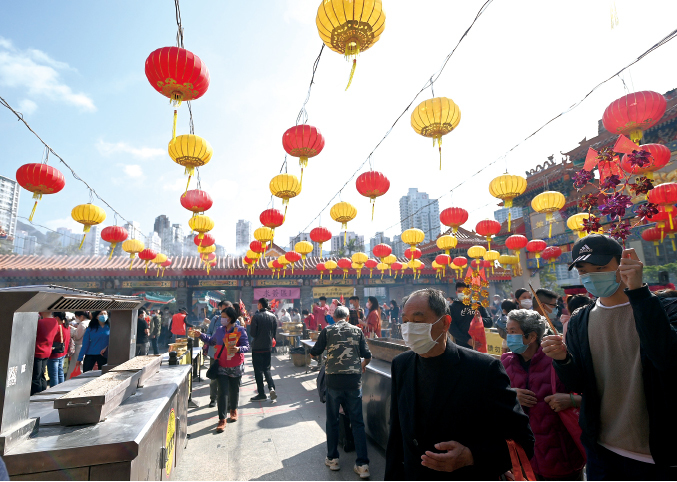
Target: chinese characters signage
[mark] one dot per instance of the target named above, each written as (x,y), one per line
(279,282)
(333,291)
(279,293)
(218,282)
(146,284)
(334,282)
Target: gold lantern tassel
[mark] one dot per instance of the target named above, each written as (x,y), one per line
(286,205)
(304,263)
(37,196)
(112,247)
(352,72)
(146,267)
(157,275)
(273,275)
(509,218)
(330,273)
(301,180)
(83,241)
(189,171)
(345,236)
(131,261)
(163,272)
(673,244)
(174,127)
(656,244)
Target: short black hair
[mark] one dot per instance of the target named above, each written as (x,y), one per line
(542,294)
(86,314)
(436,300)
(354,298)
(575,302)
(305,312)
(520,292)
(323,298)
(460,284)
(508,305)
(394,303)
(60,315)
(230,313)
(183,309)
(222,303)
(263,302)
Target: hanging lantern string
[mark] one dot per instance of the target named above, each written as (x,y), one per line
(74,239)
(93,192)
(654,47)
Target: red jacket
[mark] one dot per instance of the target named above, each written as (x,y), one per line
(555,452)
(319,312)
(311,324)
(373,323)
(66,341)
(47,329)
(179,324)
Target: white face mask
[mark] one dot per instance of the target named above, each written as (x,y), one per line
(224,321)
(460,296)
(418,337)
(527,304)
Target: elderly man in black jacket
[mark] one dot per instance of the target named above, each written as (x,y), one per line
(263,330)
(452,409)
(621,355)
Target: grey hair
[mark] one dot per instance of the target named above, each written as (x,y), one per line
(529,322)
(341,312)
(436,300)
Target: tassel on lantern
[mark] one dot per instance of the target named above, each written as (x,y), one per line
(352,72)
(83,241)
(190,171)
(174,127)
(37,197)
(112,247)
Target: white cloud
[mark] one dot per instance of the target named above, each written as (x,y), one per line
(134,171)
(37,72)
(108,148)
(65,223)
(300,11)
(27,106)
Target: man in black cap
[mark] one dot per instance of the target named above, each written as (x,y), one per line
(621,354)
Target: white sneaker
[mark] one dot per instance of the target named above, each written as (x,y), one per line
(333,464)
(362,471)
(273,395)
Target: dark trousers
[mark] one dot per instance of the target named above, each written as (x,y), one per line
(351,400)
(604,464)
(228,394)
(261,364)
(213,384)
(39,382)
(154,345)
(90,360)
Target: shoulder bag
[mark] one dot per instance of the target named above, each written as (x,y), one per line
(569,418)
(58,347)
(213,370)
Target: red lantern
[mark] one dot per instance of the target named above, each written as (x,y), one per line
(177,73)
(382,250)
(303,141)
(207,240)
(271,218)
(208,257)
(147,255)
(320,235)
(292,257)
(653,235)
(114,235)
(412,254)
(488,228)
(39,179)
(666,195)
(516,242)
(196,200)
(551,253)
(634,113)
(454,218)
(460,261)
(257,246)
(345,264)
(443,259)
(660,156)
(371,264)
(372,184)
(321,268)
(246,260)
(536,246)
(165,265)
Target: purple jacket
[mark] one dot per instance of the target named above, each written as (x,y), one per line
(217,340)
(555,452)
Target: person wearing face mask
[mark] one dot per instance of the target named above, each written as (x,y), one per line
(82,319)
(548,300)
(462,315)
(345,345)
(621,355)
(502,319)
(142,332)
(95,342)
(231,363)
(523,299)
(451,408)
(372,325)
(556,454)
(356,312)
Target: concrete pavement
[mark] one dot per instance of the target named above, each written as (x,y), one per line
(282,440)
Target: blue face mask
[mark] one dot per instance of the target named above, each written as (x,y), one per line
(602,284)
(102,318)
(553,314)
(516,344)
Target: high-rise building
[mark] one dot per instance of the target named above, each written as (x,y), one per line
(177,241)
(92,245)
(24,243)
(154,242)
(66,237)
(242,236)
(418,211)
(378,238)
(502,214)
(220,251)
(134,230)
(337,242)
(398,246)
(161,224)
(9,204)
(306,237)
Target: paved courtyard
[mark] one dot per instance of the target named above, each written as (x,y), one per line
(282,440)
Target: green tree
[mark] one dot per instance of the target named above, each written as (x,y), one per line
(549,278)
(351,247)
(651,272)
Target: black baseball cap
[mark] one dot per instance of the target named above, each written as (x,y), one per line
(596,249)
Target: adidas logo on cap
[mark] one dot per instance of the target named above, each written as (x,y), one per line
(585,249)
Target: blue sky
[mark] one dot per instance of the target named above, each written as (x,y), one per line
(75,69)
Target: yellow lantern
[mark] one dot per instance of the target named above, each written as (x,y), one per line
(547,203)
(272,267)
(89,215)
(358,268)
(382,267)
(491,256)
(253,255)
(157,261)
(190,151)
(507,187)
(477,252)
(265,236)
(285,186)
(438,269)
(205,251)
(359,258)
(389,260)
(435,118)
(412,237)
(133,247)
(350,27)
(284,262)
(447,243)
(509,260)
(330,266)
(202,224)
(575,223)
(416,265)
(343,213)
(304,248)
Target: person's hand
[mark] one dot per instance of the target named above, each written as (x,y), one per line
(103,351)
(554,347)
(455,457)
(196,333)
(559,401)
(631,269)
(509,475)
(526,398)
(365,362)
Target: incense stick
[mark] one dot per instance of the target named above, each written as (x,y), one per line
(552,327)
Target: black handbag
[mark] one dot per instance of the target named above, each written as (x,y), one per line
(213,370)
(59,347)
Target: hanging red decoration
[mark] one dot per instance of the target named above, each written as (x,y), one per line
(345,264)
(516,242)
(551,253)
(147,255)
(292,257)
(257,246)
(454,218)
(371,264)
(382,250)
(412,253)
(536,246)
(39,179)
(654,235)
(177,74)
(114,235)
(659,156)
(634,113)
(207,240)
(665,195)
(196,200)
(303,141)
(272,218)
(372,184)
(165,264)
(321,268)
(320,235)
(460,261)
(488,228)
